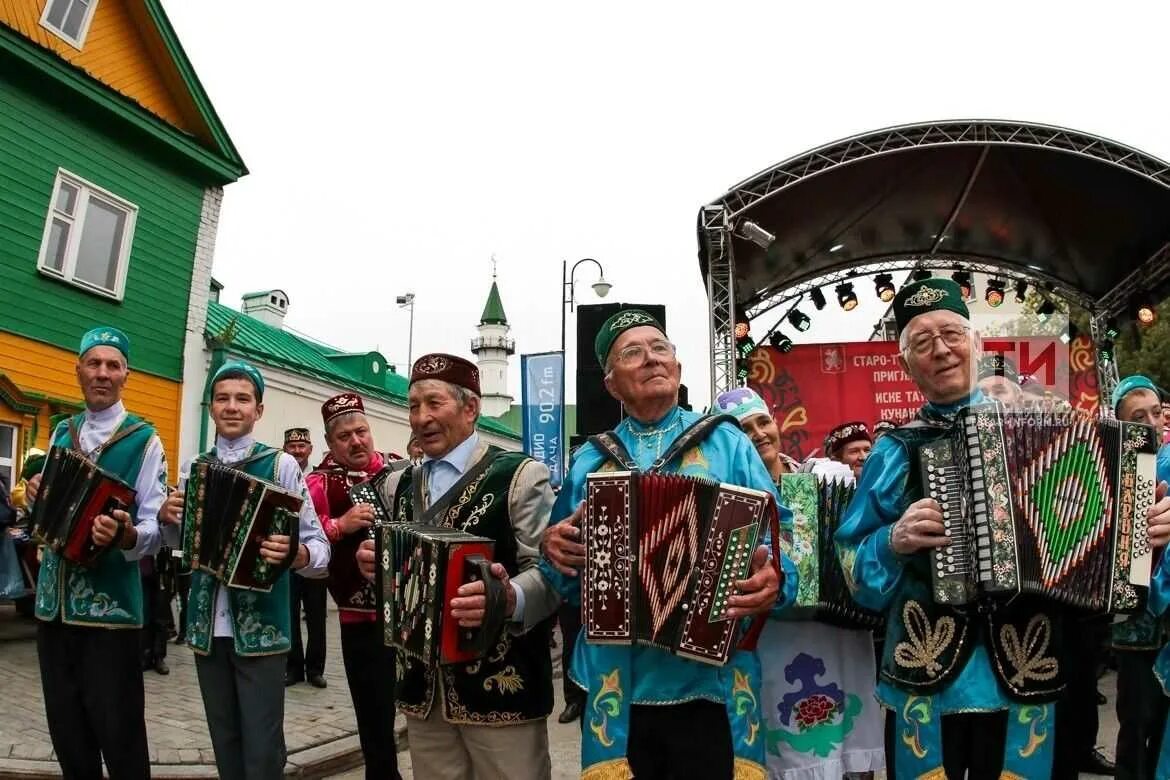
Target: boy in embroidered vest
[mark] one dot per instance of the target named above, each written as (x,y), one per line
(369,663)
(649,713)
(484,720)
(86,643)
(241,637)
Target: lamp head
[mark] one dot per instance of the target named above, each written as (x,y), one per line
(602,287)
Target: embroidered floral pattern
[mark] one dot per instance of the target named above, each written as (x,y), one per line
(746,704)
(86,601)
(48,597)
(505,680)
(915,714)
(1035,717)
(607,703)
(1028,657)
(925,642)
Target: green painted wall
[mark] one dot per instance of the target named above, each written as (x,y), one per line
(37,137)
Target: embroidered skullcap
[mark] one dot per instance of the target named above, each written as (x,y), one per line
(1129,384)
(741,403)
(449,368)
(342,403)
(618,324)
(238,369)
(883,426)
(997,364)
(297,434)
(925,296)
(844,434)
(105,336)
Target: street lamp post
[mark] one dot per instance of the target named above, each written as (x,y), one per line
(602,288)
(407,302)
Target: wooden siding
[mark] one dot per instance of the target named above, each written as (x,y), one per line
(119,52)
(49,371)
(35,139)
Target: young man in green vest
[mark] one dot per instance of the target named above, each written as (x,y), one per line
(483,720)
(87,640)
(241,637)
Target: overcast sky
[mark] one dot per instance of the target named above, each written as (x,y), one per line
(395,147)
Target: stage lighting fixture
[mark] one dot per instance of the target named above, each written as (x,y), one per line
(921,275)
(1146,313)
(846,297)
(754,233)
(1045,310)
(742,329)
(884,287)
(799,320)
(1021,291)
(1105,351)
(818,298)
(780,341)
(1112,330)
(966,287)
(994,294)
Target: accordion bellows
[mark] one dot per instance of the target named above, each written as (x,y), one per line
(1051,503)
(226,515)
(822,591)
(75,491)
(420,568)
(662,554)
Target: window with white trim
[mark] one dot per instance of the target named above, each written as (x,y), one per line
(69,19)
(8,437)
(88,233)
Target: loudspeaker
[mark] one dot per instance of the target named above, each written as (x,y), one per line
(597,410)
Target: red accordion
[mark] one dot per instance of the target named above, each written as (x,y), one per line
(74,492)
(662,554)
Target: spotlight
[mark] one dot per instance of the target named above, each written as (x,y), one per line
(846,297)
(920,275)
(742,329)
(1045,310)
(1146,313)
(1105,351)
(1021,291)
(966,288)
(884,287)
(799,320)
(1112,331)
(754,233)
(818,298)
(994,294)
(780,341)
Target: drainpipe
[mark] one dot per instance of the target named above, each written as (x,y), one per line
(218,358)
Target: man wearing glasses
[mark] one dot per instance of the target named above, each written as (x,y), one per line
(649,713)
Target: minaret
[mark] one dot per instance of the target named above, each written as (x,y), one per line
(492,348)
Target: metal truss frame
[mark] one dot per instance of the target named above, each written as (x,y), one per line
(719,219)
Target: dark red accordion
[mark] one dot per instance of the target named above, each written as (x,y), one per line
(662,555)
(75,491)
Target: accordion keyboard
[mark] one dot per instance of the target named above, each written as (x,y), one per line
(951,566)
(978,507)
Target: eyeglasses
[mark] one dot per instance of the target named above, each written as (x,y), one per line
(635,354)
(951,336)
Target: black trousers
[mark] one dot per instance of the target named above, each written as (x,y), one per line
(972,743)
(570,620)
(156,612)
(1141,715)
(1076,711)
(94,701)
(689,741)
(302,660)
(369,670)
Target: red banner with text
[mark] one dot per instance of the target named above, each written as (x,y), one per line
(816,387)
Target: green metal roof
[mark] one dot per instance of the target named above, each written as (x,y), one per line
(493,311)
(253,339)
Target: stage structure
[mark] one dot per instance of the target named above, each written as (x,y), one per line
(1081,217)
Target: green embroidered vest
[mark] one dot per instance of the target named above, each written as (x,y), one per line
(513,682)
(110,594)
(928,644)
(260,621)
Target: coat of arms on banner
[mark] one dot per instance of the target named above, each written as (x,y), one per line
(832,359)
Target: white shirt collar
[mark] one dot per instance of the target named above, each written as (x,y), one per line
(460,455)
(223,445)
(105,415)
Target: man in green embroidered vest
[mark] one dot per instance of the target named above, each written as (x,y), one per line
(649,713)
(484,720)
(86,640)
(241,637)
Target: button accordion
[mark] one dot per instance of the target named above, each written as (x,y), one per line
(420,568)
(74,492)
(822,592)
(226,515)
(662,554)
(1050,503)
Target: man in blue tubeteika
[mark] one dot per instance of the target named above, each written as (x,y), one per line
(966,690)
(648,713)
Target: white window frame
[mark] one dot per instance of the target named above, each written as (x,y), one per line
(79,41)
(9,461)
(86,190)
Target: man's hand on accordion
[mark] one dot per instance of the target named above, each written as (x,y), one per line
(470,605)
(562,543)
(274,549)
(759,591)
(105,529)
(920,527)
(358,518)
(171,512)
(1158,517)
(32,487)
(365,559)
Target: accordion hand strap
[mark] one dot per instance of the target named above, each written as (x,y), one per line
(751,637)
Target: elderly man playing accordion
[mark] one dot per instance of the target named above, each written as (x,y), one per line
(86,642)
(650,713)
(968,692)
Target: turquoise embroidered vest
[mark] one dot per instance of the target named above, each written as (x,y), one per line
(110,594)
(260,621)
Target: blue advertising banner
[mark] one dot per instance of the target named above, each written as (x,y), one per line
(543,390)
